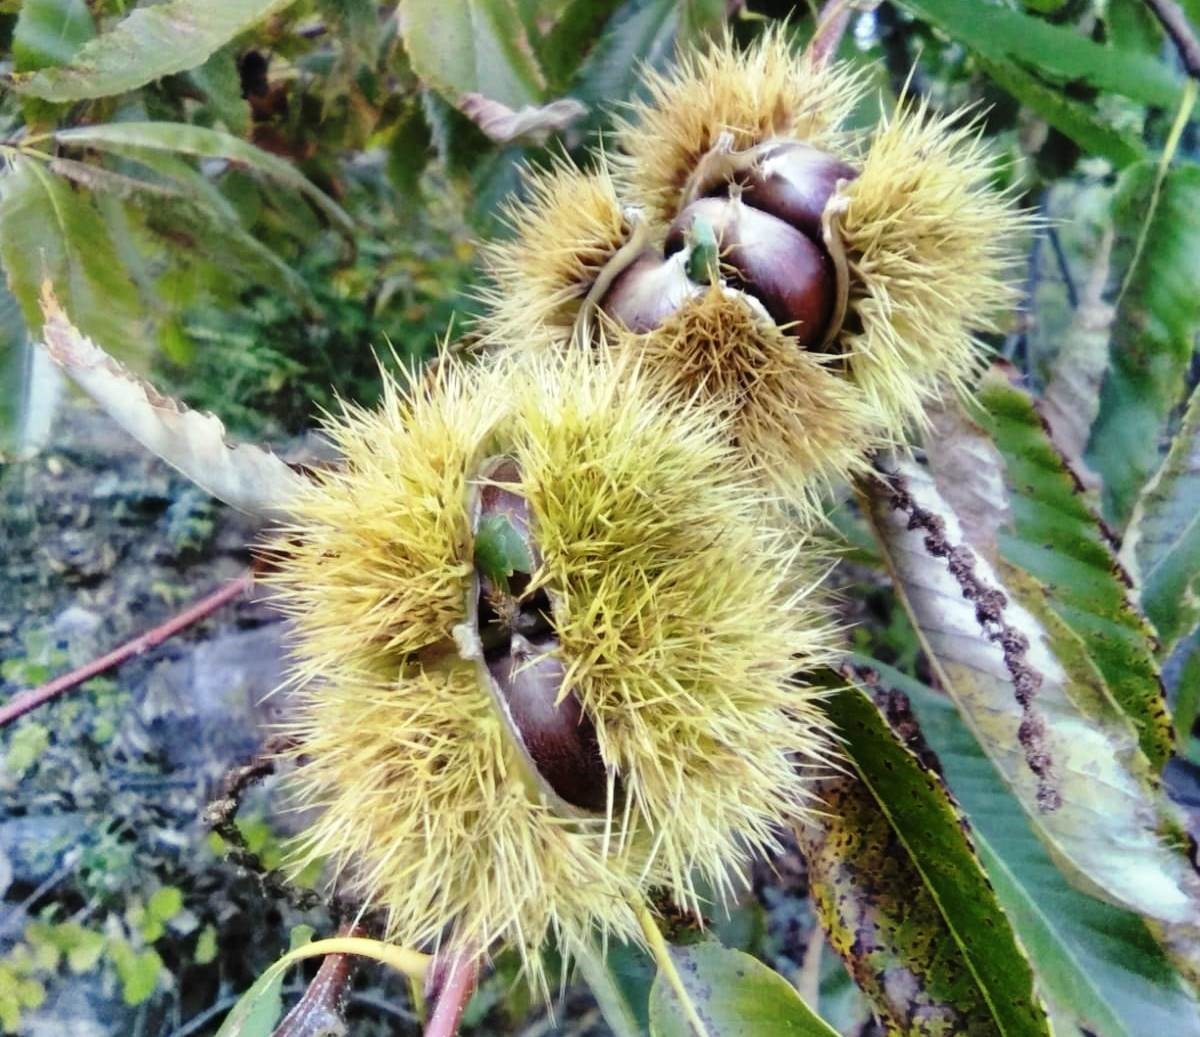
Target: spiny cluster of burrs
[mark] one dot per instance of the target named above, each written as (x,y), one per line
(819,286)
(547,625)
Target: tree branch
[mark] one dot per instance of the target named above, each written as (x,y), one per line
(1175,23)
(451,986)
(21,704)
(321,1007)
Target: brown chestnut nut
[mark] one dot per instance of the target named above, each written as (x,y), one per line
(777,264)
(794,181)
(558,737)
(647,292)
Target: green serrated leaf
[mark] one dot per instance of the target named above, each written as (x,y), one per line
(901,893)
(1132,27)
(1153,334)
(500,550)
(16,375)
(49,230)
(1097,965)
(1028,690)
(1162,544)
(200,141)
(733,995)
(1054,535)
(218,77)
(1057,51)
(568,43)
(1072,118)
(49,32)
(641,31)
(620,979)
(151,42)
(472,46)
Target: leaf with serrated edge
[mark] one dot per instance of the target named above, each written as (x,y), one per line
(898,887)
(620,979)
(1162,544)
(1058,51)
(472,46)
(151,42)
(1078,121)
(245,477)
(1154,333)
(1081,779)
(733,994)
(49,230)
(1097,966)
(201,142)
(1048,528)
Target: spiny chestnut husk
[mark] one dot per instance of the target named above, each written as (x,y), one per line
(578,263)
(564,235)
(724,100)
(925,249)
(538,741)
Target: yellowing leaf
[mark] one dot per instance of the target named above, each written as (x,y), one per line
(1020,681)
(245,477)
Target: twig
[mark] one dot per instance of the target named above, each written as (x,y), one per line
(320,1008)
(198,1021)
(23,703)
(17,913)
(1175,23)
(451,986)
(221,816)
(831,26)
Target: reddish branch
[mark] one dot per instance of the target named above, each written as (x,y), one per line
(831,25)
(321,1007)
(1175,22)
(450,987)
(22,704)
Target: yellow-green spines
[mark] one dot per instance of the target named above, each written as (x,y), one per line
(792,414)
(931,245)
(682,616)
(423,814)
(378,543)
(932,248)
(678,614)
(754,95)
(569,224)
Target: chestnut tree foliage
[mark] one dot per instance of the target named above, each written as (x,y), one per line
(253,201)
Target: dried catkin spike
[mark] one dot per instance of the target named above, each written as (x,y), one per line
(662,615)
